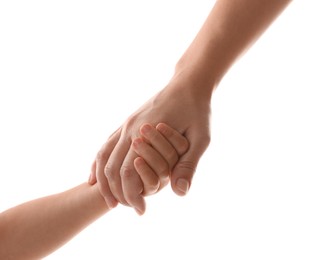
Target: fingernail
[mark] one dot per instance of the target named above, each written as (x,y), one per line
(182,186)
(139,211)
(140,208)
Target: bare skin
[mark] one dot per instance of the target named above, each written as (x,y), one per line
(184,104)
(36,228)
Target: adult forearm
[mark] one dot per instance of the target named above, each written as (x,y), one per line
(230,29)
(35,229)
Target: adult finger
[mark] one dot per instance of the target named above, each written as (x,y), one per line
(100,162)
(182,174)
(132,184)
(113,167)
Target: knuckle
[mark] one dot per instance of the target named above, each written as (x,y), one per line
(100,156)
(126,171)
(130,123)
(172,157)
(164,171)
(109,172)
(187,165)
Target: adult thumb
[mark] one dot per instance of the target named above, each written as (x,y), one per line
(183,172)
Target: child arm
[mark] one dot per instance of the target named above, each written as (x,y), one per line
(36,228)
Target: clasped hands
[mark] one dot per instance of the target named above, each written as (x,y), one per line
(161,141)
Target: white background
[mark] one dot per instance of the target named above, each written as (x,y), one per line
(72,71)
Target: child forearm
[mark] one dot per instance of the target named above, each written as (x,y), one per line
(34,229)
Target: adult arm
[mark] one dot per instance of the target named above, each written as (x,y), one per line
(229,30)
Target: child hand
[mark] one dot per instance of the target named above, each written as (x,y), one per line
(158,150)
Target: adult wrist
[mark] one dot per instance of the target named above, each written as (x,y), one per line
(194,78)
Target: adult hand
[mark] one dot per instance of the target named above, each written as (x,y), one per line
(178,105)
